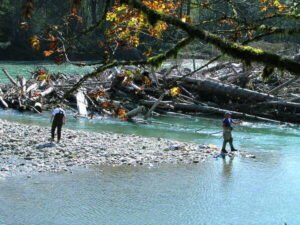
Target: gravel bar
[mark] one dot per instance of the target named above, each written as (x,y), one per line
(26,149)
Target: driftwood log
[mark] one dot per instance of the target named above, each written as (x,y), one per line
(127,97)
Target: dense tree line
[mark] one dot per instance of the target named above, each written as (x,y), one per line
(15,33)
(236,20)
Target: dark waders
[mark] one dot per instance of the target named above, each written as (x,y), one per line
(57,124)
(227,139)
(54,126)
(230,143)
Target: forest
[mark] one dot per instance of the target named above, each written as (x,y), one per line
(251,49)
(238,21)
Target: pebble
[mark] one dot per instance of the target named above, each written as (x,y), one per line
(250,156)
(196,161)
(4,169)
(27,148)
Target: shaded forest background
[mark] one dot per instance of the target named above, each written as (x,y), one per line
(262,35)
(14,41)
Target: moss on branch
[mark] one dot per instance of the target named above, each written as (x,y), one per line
(154,61)
(98,72)
(232,49)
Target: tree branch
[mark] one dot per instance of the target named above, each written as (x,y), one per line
(154,61)
(235,50)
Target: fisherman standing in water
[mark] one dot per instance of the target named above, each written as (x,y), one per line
(227,129)
(58,119)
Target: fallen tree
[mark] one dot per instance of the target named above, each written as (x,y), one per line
(128,91)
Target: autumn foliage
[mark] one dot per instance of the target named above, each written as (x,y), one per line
(127,26)
(35,42)
(272,5)
(127,23)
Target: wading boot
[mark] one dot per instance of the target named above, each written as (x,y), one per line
(224,151)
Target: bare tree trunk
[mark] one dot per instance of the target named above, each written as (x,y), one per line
(136,111)
(3,102)
(181,8)
(10,77)
(155,105)
(94,11)
(283,85)
(188,7)
(211,88)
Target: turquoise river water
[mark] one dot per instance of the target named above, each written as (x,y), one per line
(265,190)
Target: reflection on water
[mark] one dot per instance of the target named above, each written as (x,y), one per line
(216,192)
(227,167)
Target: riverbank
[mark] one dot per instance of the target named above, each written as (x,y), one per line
(102,191)
(26,149)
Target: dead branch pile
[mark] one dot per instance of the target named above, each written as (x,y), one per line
(129,91)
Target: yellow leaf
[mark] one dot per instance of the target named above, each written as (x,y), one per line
(175,91)
(111,16)
(122,114)
(48,53)
(43,76)
(263,8)
(147,81)
(35,42)
(186,19)
(281,7)
(148,53)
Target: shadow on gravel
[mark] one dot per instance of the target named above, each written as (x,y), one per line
(46,145)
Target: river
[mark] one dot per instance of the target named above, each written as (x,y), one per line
(265,190)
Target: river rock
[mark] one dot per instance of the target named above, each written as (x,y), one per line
(29,150)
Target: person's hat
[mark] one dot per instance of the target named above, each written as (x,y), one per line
(228,113)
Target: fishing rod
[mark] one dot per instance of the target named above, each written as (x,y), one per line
(177,126)
(186,127)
